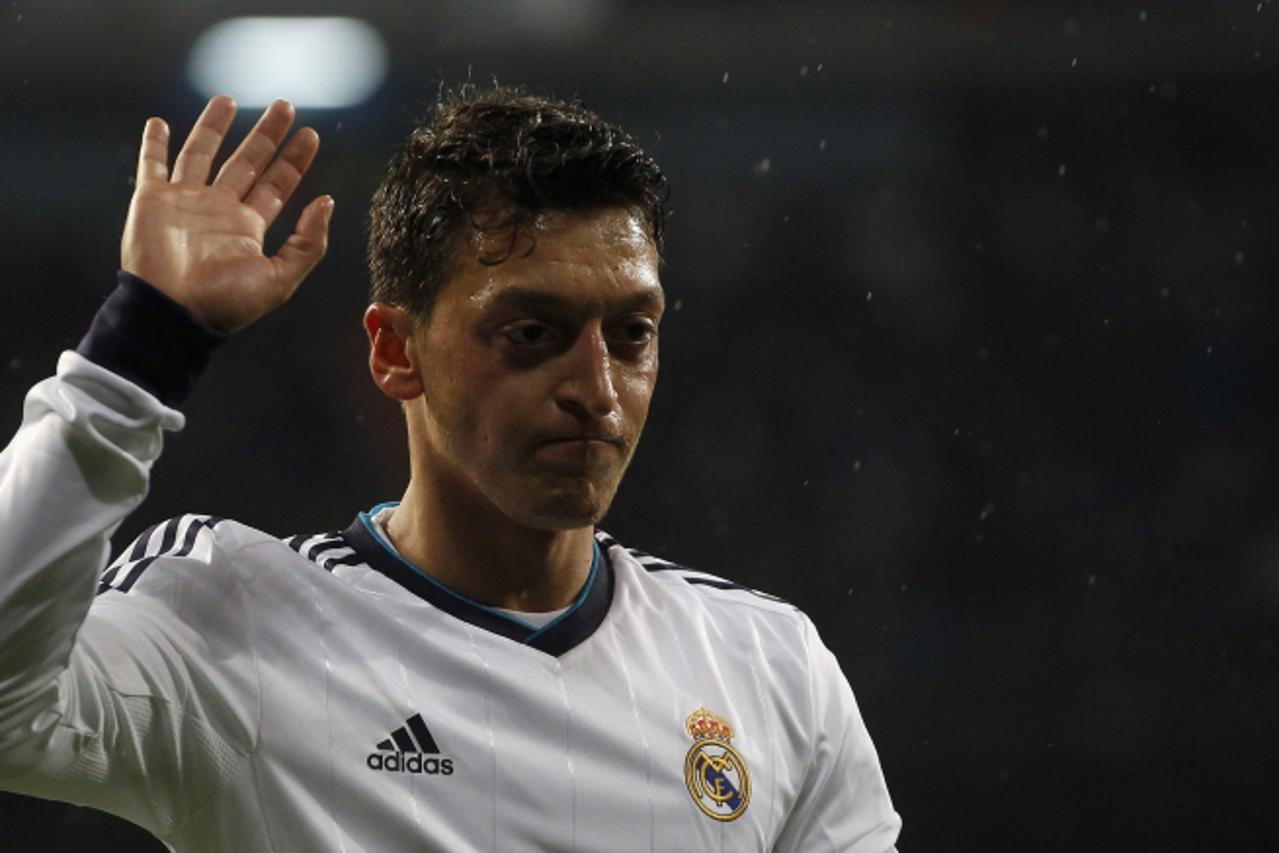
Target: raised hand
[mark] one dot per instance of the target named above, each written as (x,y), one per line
(200,243)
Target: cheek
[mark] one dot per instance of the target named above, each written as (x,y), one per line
(636,387)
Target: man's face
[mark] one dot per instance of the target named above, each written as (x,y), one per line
(538,370)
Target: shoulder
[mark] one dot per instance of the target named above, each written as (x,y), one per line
(204,550)
(686,587)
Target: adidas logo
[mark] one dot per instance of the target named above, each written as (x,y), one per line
(410,749)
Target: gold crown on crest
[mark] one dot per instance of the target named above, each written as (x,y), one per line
(706,725)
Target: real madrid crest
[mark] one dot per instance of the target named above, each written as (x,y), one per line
(715,773)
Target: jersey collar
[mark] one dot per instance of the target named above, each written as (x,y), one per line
(565,632)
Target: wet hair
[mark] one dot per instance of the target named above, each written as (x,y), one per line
(497,151)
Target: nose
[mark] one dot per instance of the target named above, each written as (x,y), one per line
(586,390)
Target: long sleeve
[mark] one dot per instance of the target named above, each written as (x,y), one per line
(78,465)
(844,805)
(101,702)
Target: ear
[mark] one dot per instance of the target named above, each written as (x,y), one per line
(392,361)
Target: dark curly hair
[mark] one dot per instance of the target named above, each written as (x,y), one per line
(497,149)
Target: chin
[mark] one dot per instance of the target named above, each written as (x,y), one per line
(566,508)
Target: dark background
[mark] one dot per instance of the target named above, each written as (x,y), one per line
(971,356)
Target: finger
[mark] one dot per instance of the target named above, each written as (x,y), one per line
(196,156)
(306,245)
(255,152)
(280,180)
(153,156)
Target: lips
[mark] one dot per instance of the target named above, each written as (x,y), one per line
(597,433)
(585,440)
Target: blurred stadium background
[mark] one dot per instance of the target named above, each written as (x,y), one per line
(971,355)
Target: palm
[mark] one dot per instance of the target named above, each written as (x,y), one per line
(201,243)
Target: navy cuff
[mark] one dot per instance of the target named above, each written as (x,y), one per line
(146,337)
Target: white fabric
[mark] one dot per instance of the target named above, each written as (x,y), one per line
(237,698)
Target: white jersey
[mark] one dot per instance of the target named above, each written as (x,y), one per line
(233,691)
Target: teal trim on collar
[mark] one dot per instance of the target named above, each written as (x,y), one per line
(366,519)
(581,596)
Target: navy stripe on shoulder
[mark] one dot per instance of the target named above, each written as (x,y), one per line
(327,550)
(174,538)
(691,576)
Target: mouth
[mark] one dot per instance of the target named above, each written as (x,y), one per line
(585,441)
(581,453)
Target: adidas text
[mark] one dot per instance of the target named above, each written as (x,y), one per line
(402,762)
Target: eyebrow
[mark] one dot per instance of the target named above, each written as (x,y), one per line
(533,299)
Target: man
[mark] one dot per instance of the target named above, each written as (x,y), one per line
(475,667)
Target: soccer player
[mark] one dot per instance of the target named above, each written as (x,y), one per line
(476,667)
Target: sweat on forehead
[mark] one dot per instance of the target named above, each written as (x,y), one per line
(500,234)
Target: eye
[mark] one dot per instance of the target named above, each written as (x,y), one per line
(529,333)
(636,332)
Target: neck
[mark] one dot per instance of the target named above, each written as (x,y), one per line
(484,555)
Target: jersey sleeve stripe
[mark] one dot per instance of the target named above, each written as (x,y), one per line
(319,549)
(139,549)
(352,559)
(327,550)
(723,584)
(655,565)
(349,558)
(186,528)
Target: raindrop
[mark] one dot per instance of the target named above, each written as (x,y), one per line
(1239,258)
(986,512)
(1141,16)
(1041,134)
(1061,170)
(1092,579)
(679,305)
(1102,224)
(869,294)
(819,65)
(821,145)
(1074,62)
(763,167)
(15,364)
(1163,293)
(1207,350)
(857,466)
(983,354)
(1071,27)
(803,71)
(724,79)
